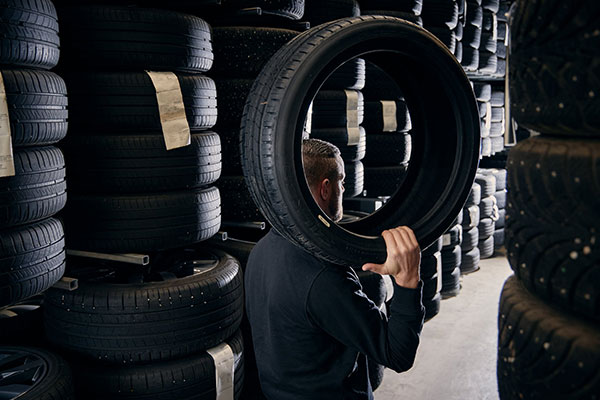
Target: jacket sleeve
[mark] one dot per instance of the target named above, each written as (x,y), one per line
(337,305)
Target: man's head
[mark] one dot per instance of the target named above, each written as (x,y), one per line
(324,171)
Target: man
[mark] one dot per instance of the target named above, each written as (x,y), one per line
(312,326)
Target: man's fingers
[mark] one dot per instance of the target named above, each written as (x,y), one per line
(372,267)
(412,237)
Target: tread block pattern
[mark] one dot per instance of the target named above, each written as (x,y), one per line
(552,220)
(542,352)
(135,323)
(32,258)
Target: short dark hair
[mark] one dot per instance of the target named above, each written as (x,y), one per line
(319,160)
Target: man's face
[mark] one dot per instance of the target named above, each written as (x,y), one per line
(336,209)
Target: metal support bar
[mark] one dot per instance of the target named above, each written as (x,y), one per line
(250,225)
(221,235)
(67,283)
(130,258)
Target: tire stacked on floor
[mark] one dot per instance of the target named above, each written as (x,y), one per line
(131,194)
(500,196)
(470,226)
(431,275)
(134,195)
(32,255)
(154,333)
(387,124)
(503,35)
(452,259)
(488,61)
(409,10)
(471,38)
(497,119)
(338,111)
(549,318)
(488,214)
(240,53)
(441,17)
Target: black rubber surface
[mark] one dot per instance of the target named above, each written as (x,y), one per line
(142,222)
(552,221)
(334,108)
(450,259)
(285,87)
(340,137)
(354,183)
(486,246)
(384,181)
(32,258)
(471,216)
(113,102)
(470,261)
(38,189)
(141,163)
(470,239)
(37,106)
(474,195)
(29,34)
(121,38)
(375,118)
(351,75)
(318,11)
(238,205)
(542,352)
(389,148)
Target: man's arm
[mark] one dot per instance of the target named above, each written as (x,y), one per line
(337,305)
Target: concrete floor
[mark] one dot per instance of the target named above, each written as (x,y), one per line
(456,359)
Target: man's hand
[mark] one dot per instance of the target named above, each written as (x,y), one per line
(403,257)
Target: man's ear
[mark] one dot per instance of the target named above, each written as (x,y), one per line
(325,189)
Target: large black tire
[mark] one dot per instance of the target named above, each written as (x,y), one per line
(34,374)
(38,189)
(37,106)
(331,109)
(241,51)
(354,182)
(142,223)
(129,38)
(553,219)
(113,102)
(28,34)
(195,307)
(32,258)
(384,181)
(553,86)
(191,377)
(375,119)
(542,352)
(388,149)
(141,164)
(351,75)
(340,137)
(277,107)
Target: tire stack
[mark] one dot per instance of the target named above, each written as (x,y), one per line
(549,317)
(472,32)
(497,119)
(460,28)
(441,17)
(500,196)
(488,61)
(502,46)
(32,255)
(387,124)
(130,333)
(129,193)
(338,110)
(488,214)
(431,275)
(470,225)
(483,94)
(240,53)
(318,12)
(409,10)
(452,259)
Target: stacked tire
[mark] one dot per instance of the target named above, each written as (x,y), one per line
(497,119)
(32,255)
(338,111)
(131,194)
(240,53)
(441,17)
(488,214)
(483,94)
(388,125)
(549,331)
(409,10)
(432,275)
(470,225)
(471,38)
(123,329)
(318,12)
(500,197)
(452,259)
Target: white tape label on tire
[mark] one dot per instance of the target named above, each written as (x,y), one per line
(388,111)
(352,117)
(446,239)
(7,162)
(176,129)
(222,356)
